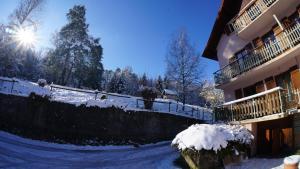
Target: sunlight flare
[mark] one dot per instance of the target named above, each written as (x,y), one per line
(26,37)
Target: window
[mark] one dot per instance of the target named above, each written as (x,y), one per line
(248,91)
(244,52)
(259,87)
(238,94)
(242,57)
(295,18)
(269,37)
(270,83)
(271,43)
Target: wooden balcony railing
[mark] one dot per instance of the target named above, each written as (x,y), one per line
(250,13)
(287,39)
(274,101)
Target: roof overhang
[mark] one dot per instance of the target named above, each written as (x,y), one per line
(228,9)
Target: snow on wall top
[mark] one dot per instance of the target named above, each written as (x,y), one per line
(211,137)
(170,92)
(21,87)
(87,97)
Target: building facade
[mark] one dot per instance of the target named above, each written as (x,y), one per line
(257,45)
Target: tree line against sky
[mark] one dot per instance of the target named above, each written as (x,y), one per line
(76,58)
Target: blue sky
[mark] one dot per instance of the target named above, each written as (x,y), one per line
(133,32)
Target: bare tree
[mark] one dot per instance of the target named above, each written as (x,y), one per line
(26,12)
(183,64)
(213,97)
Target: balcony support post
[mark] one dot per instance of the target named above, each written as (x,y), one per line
(253,104)
(280,100)
(278,22)
(298,95)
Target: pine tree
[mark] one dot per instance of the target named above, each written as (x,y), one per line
(95,67)
(114,82)
(144,80)
(121,84)
(131,81)
(159,84)
(77,56)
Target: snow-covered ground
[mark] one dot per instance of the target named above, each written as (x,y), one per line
(87,97)
(258,163)
(17,152)
(20,87)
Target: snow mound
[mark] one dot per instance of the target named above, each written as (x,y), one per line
(211,137)
(294,159)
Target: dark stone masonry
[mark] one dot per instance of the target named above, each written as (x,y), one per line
(39,118)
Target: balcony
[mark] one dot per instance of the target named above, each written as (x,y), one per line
(253,10)
(268,105)
(287,39)
(258,14)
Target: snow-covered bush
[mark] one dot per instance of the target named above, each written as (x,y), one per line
(42,82)
(211,137)
(202,142)
(149,94)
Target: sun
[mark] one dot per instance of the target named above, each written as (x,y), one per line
(26,37)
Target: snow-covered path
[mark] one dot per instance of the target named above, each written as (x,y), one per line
(17,152)
(258,163)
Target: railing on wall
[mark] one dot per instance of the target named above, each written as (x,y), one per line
(247,16)
(169,106)
(273,101)
(7,88)
(177,107)
(287,39)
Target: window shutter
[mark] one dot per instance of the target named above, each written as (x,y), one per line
(238,94)
(270,84)
(295,77)
(286,22)
(260,88)
(258,42)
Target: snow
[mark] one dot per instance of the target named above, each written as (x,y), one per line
(257,163)
(211,136)
(294,159)
(17,152)
(170,92)
(21,87)
(130,103)
(87,97)
(253,96)
(263,163)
